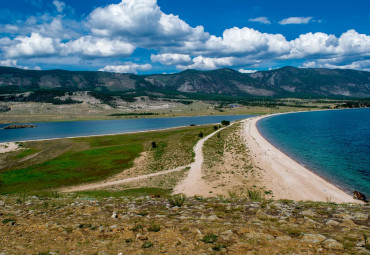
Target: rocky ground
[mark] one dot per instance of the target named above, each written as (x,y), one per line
(72,224)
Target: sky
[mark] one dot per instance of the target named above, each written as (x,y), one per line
(167,36)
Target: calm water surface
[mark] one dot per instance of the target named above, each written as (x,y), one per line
(333,144)
(50,130)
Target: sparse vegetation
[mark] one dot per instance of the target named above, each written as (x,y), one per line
(210,238)
(177,200)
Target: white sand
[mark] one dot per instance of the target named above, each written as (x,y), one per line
(285,177)
(8,147)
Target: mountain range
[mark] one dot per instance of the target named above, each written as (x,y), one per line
(283,82)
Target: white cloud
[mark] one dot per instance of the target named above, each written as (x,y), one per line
(263,20)
(127,67)
(204,63)
(89,46)
(335,64)
(295,20)
(35,45)
(14,63)
(171,59)
(143,22)
(59,5)
(247,71)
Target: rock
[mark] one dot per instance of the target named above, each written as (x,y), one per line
(358,195)
(308,213)
(361,216)
(141,237)
(213,217)
(362,251)
(114,215)
(15,126)
(283,238)
(332,244)
(332,223)
(348,223)
(313,238)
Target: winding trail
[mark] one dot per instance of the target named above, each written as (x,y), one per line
(193,184)
(188,186)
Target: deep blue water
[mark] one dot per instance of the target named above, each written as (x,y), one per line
(333,144)
(48,130)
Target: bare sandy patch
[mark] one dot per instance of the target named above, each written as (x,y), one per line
(8,147)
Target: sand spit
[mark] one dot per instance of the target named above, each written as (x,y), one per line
(286,178)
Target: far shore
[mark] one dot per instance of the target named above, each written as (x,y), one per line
(286,178)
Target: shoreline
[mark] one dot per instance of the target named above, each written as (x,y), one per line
(130,132)
(286,178)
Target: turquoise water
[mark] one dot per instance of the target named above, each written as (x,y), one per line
(50,130)
(333,144)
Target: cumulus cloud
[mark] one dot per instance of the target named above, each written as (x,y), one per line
(89,46)
(59,5)
(14,63)
(204,63)
(263,20)
(171,59)
(32,46)
(247,71)
(143,22)
(295,20)
(127,67)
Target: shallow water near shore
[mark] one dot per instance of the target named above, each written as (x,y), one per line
(333,144)
(49,130)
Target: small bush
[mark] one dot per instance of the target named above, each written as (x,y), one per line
(210,238)
(219,247)
(200,134)
(254,195)
(129,240)
(154,145)
(177,200)
(225,122)
(136,228)
(215,127)
(5,221)
(147,245)
(154,228)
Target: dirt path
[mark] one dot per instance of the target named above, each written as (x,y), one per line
(193,184)
(195,169)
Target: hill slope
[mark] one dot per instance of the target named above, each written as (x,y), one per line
(283,82)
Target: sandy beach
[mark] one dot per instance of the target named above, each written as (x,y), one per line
(8,147)
(286,178)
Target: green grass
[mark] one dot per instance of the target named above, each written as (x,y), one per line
(127,193)
(92,159)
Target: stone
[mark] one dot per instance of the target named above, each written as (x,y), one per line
(332,244)
(313,238)
(332,223)
(308,213)
(213,217)
(283,238)
(114,215)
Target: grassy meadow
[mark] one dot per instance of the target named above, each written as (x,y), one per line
(63,162)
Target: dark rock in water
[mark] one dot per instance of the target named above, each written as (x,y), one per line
(16,126)
(358,195)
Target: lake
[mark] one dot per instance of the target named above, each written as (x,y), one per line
(50,130)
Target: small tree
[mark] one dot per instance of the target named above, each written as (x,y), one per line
(154,145)
(215,127)
(200,134)
(225,122)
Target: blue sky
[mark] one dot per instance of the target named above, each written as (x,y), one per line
(165,36)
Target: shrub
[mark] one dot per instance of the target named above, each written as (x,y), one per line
(200,134)
(210,238)
(215,127)
(177,200)
(254,195)
(154,145)
(219,247)
(154,228)
(5,221)
(225,122)
(147,245)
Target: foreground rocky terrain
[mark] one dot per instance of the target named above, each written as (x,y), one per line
(81,224)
